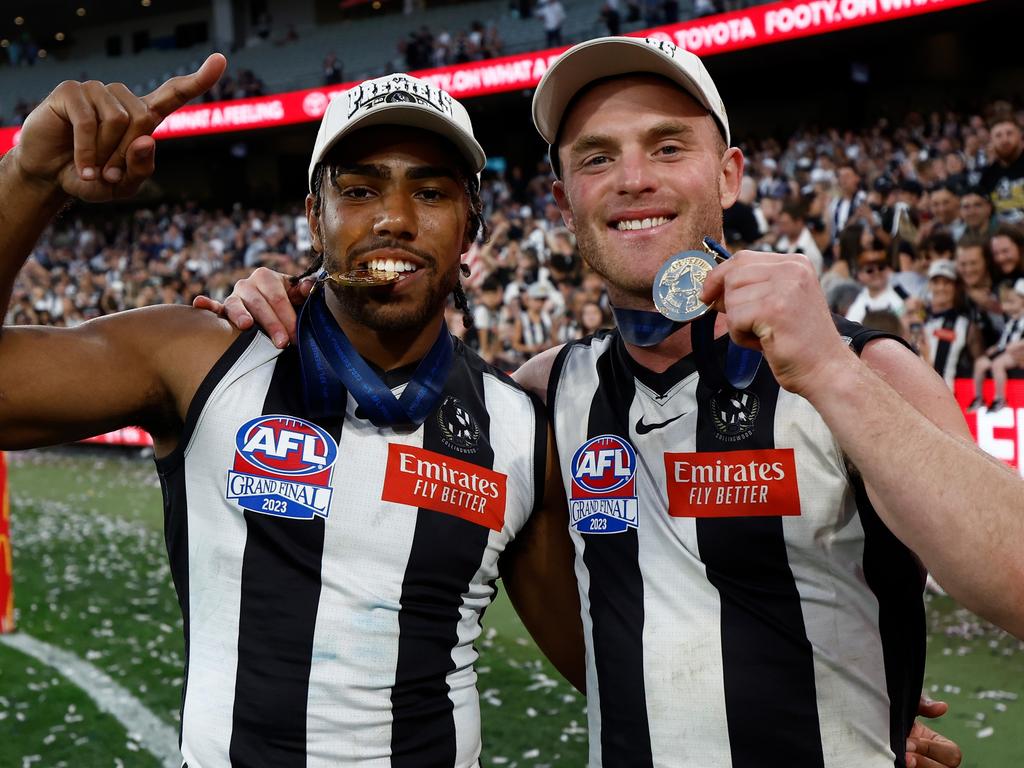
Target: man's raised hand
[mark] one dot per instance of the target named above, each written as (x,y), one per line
(93,140)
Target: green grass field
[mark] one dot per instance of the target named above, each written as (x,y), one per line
(91,578)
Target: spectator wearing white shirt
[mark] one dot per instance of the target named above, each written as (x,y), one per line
(874,273)
(552,13)
(796,237)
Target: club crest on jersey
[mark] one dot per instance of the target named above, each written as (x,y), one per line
(603,497)
(459,430)
(734,413)
(283,468)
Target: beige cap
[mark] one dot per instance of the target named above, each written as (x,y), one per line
(397,99)
(942,268)
(610,56)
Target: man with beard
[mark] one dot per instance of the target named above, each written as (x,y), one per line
(335,512)
(744,552)
(1003,180)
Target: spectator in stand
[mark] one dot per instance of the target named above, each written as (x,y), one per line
(611,17)
(532,334)
(944,205)
(874,273)
(1003,180)
(974,265)
(956,171)
(943,331)
(1007,246)
(795,237)
(938,246)
(912,277)
(332,69)
(1007,353)
(843,207)
(976,211)
(552,13)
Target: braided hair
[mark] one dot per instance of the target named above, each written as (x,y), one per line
(476,227)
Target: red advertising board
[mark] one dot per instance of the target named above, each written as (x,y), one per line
(998,433)
(760,25)
(6,557)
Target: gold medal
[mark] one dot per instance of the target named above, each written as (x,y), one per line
(364,278)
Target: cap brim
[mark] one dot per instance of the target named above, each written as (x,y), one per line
(413,116)
(594,60)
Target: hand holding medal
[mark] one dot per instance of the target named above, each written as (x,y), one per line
(677,290)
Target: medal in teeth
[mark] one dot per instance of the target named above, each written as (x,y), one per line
(376,272)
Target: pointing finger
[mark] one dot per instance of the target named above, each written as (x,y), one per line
(180,90)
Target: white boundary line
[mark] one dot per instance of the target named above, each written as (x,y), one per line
(151,733)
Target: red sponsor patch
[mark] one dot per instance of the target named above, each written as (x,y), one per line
(944,334)
(422,478)
(732,483)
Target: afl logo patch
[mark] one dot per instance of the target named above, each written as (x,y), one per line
(459,430)
(282,467)
(603,495)
(734,414)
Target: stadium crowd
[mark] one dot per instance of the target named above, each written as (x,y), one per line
(916,228)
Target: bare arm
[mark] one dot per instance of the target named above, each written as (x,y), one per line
(537,571)
(92,141)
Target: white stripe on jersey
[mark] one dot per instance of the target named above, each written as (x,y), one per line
(825,547)
(367,545)
(682,639)
(216,542)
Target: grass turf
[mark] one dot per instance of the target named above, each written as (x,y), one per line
(91,577)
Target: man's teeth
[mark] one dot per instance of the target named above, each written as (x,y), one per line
(391,265)
(657,221)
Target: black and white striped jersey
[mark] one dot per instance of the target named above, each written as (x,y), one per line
(946,334)
(743,605)
(332,574)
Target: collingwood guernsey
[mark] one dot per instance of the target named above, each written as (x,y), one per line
(331,573)
(743,605)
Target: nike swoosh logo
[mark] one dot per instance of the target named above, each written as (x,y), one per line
(643,429)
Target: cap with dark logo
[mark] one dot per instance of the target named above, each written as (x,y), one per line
(397,99)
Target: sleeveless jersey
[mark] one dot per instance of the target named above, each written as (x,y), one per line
(743,605)
(332,574)
(946,334)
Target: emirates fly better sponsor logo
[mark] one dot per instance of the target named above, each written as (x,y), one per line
(422,478)
(603,495)
(732,483)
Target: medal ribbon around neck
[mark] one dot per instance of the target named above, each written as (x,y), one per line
(331,365)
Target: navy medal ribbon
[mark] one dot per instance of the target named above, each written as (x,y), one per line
(331,365)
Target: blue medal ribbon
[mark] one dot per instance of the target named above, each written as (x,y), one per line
(331,365)
(642,328)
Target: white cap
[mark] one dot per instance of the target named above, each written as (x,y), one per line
(397,99)
(610,56)
(942,268)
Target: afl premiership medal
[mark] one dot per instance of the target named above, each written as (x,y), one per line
(362,278)
(678,285)
(677,288)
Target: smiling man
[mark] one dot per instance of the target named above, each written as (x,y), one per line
(746,555)
(335,512)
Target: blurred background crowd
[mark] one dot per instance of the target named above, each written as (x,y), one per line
(915,227)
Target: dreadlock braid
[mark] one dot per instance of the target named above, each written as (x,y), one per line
(462,304)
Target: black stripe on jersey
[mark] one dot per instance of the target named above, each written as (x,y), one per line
(171,471)
(894,575)
(943,347)
(767,660)
(617,594)
(446,553)
(280,594)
